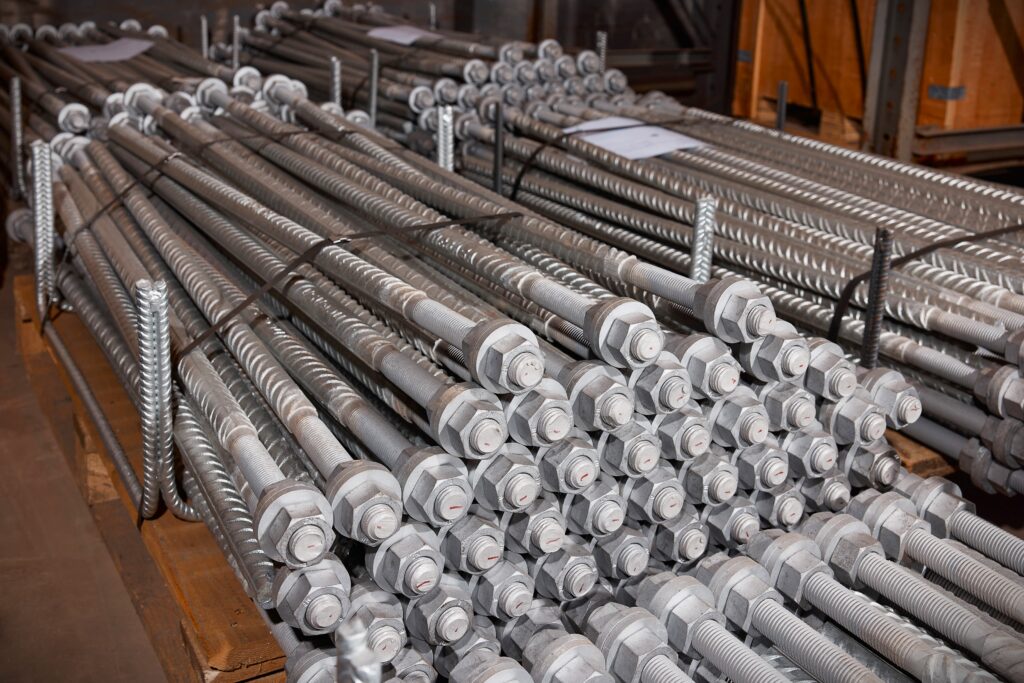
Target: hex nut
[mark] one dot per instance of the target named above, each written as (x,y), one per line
(537,530)
(408,563)
(503,356)
(891,519)
(937,500)
(554,656)
(569,466)
(566,574)
(683,433)
(874,465)
(812,452)
(781,507)
(714,373)
(504,591)
(509,481)
(738,420)
(541,416)
(630,638)
(844,542)
(739,584)
(435,486)
(293,522)
(381,613)
(708,479)
(761,467)
(731,524)
(853,419)
(622,554)
(597,512)
(789,406)
(735,309)
(439,617)
(791,559)
(681,603)
(472,544)
(655,498)
(630,452)
(598,395)
(684,539)
(313,598)
(780,356)
(661,387)
(894,395)
(829,492)
(467,420)
(829,374)
(367,501)
(623,332)
(515,634)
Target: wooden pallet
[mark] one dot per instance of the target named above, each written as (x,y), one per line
(201,623)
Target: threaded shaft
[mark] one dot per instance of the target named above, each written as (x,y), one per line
(808,648)
(661,669)
(1004,548)
(702,250)
(979,580)
(736,661)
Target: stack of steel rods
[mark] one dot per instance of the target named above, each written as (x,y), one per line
(500,440)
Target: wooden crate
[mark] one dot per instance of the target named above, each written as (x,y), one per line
(202,624)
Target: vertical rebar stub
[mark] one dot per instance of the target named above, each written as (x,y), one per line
(204,36)
(878,286)
(446,138)
(702,248)
(374,85)
(42,205)
(336,81)
(602,50)
(236,42)
(17,138)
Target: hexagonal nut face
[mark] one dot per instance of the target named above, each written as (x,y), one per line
(940,509)
(284,520)
(467,535)
(570,466)
(799,562)
(783,356)
(423,615)
(555,656)
(729,523)
(829,374)
(789,407)
(512,356)
(567,574)
(875,465)
(739,420)
(656,498)
(477,420)
(631,452)
(761,467)
(781,507)
(891,518)
(742,598)
(811,452)
(636,649)
(427,476)
(683,434)
(684,539)
(714,373)
(313,599)
(661,387)
(516,634)
(541,416)
(897,398)
(389,564)
(535,529)
(355,489)
(595,394)
(829,493)
(494,588)
(385,627)
(846,556)
(599,505)
(495,481)
(735,310)
(853,420)
(622,554)
(708,479)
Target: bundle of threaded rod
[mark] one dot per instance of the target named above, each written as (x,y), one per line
(798,217)
(482,439)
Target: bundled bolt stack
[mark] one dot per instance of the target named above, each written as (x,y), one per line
(504,449)
(796,216)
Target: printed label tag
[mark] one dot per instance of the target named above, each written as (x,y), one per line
(115,51)
(403,35)
(633,139)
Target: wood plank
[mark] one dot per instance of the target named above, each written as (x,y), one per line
(918,458)
(203,625)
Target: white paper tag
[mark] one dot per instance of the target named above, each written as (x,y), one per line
(637,141)
(403,35)
(114,51)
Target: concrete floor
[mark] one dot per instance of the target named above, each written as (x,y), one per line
(64,613)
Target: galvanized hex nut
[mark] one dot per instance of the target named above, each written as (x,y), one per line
(555,656)
(537,530)
(623,332)
(622,554)
(312,665)
(655,498)
(844,542)
(829,374)
(479,639)
(789,406)
(714,373)
(598,395)
(853,419)
(381,613)
(541,416)
(738,420)
(503,356)
(440,616)
(780,356)
(681,603)
(367,501)
(597,512)
(684,539)
(435,486)
(661,387)
(739,584)
(936,500)
(874,465)
(632,451)
(891,518)
(683,433)
(473,545)
(791,559)
(735,310)
(812,452)
(482,665)
(414,663)
(509,481)
(567,574)
(569,466)
(733,523)
(408,563)
(467,421)
(293,522)
(515,634)
(829,492)
(761,467)
(314,598)
(708,479)
(781,507)
(504,591)
(894,395)
(630,638)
